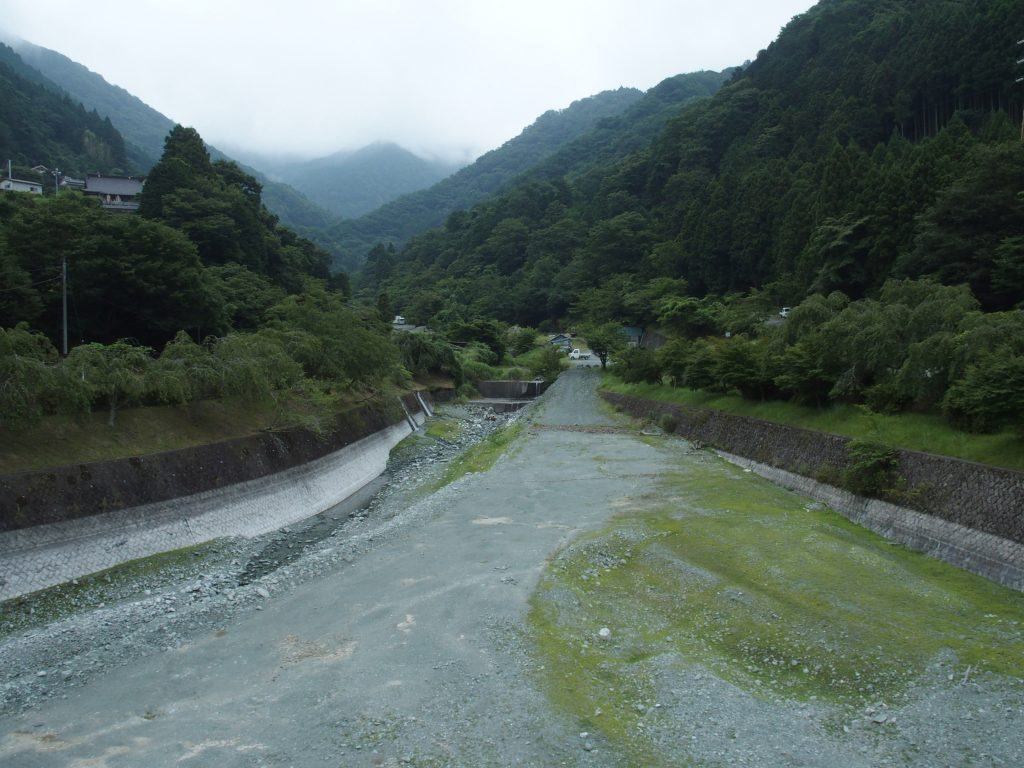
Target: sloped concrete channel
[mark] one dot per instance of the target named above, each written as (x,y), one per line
(403,638)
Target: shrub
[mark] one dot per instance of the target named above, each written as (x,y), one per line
(474,370)
(990,395)
(548,364)
(521,340)
(873,469)
(425,353)
(637,365)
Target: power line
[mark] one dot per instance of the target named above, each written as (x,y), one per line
(30,285)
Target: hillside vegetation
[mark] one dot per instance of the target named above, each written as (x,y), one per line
(395,222)
(199,297)
(865,173)
(40,124)
(866,169)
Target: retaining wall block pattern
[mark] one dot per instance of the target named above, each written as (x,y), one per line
(985,504)
(65,546)
(65,493)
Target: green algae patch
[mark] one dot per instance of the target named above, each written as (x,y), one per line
(480,457)
(715,570)
(126,581)
(441,428)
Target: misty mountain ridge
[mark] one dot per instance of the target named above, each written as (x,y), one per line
(350,183)
(352,199)
(144,128)
(595,129)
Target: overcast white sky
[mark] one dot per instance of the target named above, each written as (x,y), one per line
(450,78)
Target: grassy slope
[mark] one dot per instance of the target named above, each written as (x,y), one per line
(59,440)
(914,431)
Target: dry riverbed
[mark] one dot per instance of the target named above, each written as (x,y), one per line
(599,597)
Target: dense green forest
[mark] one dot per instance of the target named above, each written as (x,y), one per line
(142,126)
(40,124)
(872,142)
(236,305)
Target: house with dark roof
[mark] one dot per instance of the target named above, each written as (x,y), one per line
(116,193)
(563,340)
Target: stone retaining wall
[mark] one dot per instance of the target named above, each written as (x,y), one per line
(993,557)
(238,488)
(966,513)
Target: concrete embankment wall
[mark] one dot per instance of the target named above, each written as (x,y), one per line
(969,514)
(53,529)
(512,389)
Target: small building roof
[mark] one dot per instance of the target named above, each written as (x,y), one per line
(125,186)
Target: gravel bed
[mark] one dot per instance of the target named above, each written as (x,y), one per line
(120,620)
(453,672)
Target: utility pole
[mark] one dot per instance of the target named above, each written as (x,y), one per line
(1021,80)
(64,301)
(56,180)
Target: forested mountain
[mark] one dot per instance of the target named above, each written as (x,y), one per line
(144,129)
(615,137)
(349,184)
(395,222)
(40,124)
(873,139)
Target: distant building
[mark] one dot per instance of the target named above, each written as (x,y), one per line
(563,340)
(40,169)
(66,182)
(18,185)
(633,335)
(116,193)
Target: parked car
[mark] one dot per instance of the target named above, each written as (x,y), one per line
(577,355)
(784,312)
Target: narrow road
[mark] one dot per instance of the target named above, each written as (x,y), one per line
(414,654)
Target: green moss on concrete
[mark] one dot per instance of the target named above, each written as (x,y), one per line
(717,569)
(122,582)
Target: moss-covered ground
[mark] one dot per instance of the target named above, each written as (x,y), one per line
(122,582)
(715,569)
(481,456)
